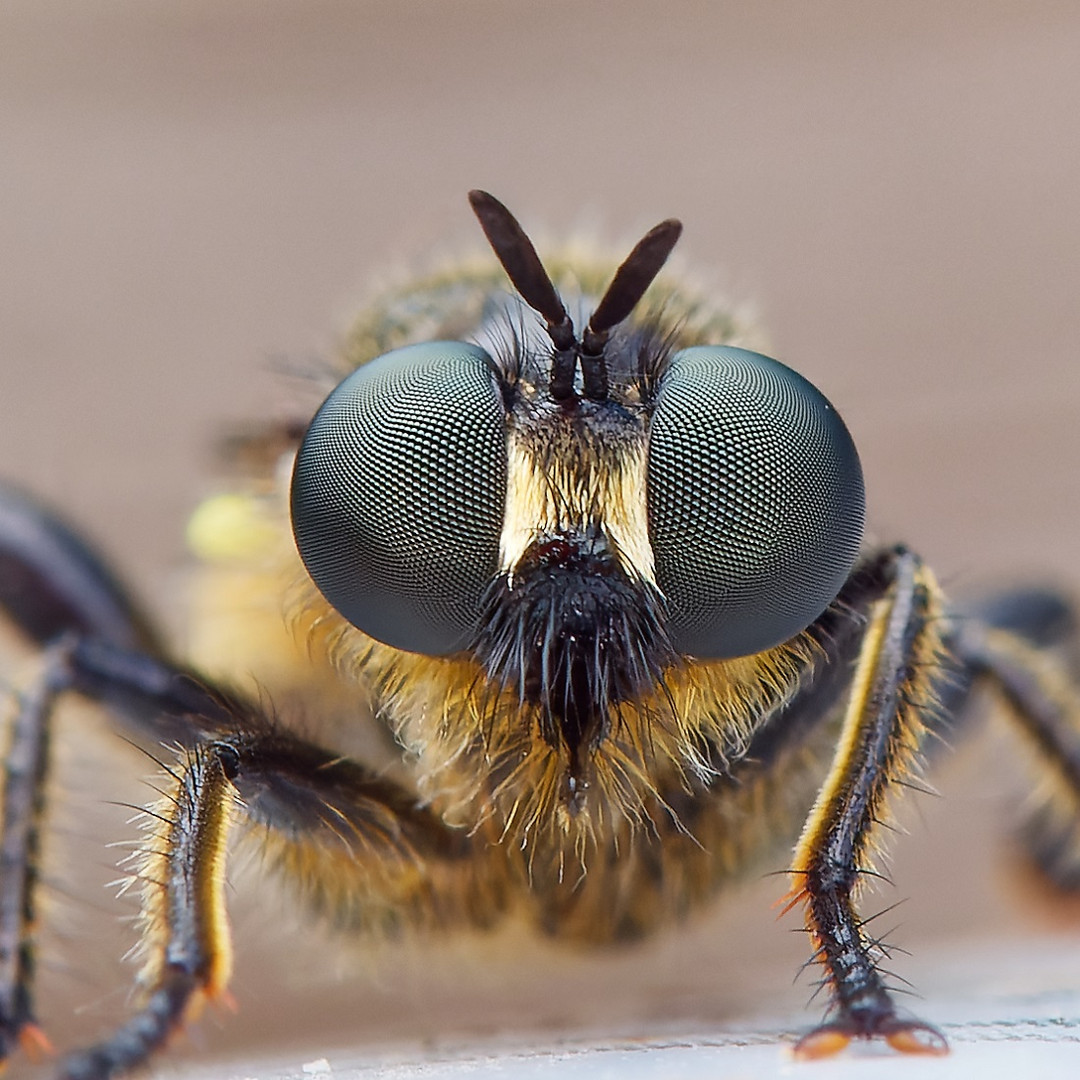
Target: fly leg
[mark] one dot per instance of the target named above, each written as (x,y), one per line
(888,713)
(25,766)
(1028,656)
(365,853)
(364,850)
(55,590)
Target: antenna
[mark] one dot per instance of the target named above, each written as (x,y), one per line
(519,259)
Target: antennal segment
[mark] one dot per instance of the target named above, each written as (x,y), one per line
(527,274)
(634,276)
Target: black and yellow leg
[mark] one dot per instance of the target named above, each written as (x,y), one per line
(189,957)
(364,847)
(141,687)
(890,701)
(158,703)
(57,592)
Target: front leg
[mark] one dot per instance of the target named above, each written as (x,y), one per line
(891,701)
(362,848)
(363,851)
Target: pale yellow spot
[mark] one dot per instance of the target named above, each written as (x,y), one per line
(230,527)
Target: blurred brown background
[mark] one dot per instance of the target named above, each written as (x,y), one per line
(192,191)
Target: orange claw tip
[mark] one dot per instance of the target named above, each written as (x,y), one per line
(35,1043)
(821,1043)
(918,1039)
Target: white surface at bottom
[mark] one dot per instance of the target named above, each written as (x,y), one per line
(1026,1036)
(1029,1052)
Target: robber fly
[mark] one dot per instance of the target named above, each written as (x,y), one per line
(599,567)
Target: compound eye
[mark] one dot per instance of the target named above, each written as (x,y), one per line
(398,495)
(755,497)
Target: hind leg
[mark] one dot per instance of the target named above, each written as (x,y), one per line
(1026,648)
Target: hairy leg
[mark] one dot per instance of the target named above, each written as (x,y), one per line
(366,852)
